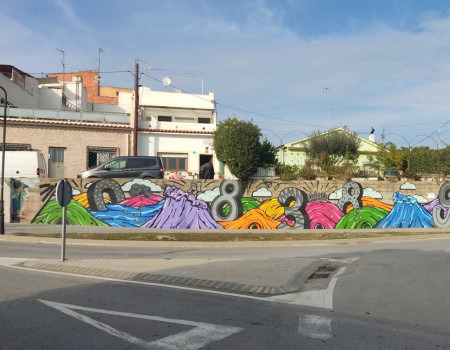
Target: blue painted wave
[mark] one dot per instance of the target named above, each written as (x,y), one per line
(407,212)
(118,215)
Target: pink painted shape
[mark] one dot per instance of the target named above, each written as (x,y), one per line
(141,201)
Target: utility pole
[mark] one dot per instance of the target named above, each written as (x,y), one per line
(136,107)
(100,50)
(439,154)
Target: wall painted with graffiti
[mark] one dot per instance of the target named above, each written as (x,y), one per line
(216,204)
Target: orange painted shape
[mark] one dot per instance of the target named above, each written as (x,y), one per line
(254,218)
(372,202)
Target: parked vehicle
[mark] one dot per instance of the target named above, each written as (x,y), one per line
(391,172)
(24,164)
(126,167)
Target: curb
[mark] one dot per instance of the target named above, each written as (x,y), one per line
(294,285)
(442,234)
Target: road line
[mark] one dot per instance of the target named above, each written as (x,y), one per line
(196,338)
(144,283)
(4,261)
(316,327)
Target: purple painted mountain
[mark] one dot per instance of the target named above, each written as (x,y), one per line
(182,210)
(429,206)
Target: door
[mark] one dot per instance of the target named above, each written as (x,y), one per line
(56,166)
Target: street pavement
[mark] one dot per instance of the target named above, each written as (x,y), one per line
(261,277)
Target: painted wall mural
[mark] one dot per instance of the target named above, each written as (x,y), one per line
(213,204)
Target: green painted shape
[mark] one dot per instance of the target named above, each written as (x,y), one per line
(247,203)
(76,214)
(365,217)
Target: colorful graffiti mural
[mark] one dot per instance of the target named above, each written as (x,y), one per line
(145,204)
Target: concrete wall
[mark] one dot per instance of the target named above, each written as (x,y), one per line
(214,204)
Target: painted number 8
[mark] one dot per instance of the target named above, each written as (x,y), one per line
(297,212)
(230,196)
(438,213)
(351,194)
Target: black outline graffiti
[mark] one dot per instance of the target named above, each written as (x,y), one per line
(95,193)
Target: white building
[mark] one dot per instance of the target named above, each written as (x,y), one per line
(179,128)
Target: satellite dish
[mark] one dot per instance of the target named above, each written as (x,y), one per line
(166,81)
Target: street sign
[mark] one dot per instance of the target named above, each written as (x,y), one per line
(63,193)
(63,196)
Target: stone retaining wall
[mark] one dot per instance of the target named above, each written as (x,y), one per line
(210,204)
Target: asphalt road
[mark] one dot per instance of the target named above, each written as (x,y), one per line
(391,295)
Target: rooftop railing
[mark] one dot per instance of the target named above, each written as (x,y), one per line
(56,114)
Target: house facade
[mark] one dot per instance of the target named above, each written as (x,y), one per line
(294,153)
(60,116)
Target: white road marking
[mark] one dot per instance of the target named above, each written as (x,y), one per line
(142,283)
(343,260)
(316,327)
(12,261)
(322,298)
(196,338)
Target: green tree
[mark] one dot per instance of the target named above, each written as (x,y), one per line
(267,154)
(391,157)
(333,150)
(237,145)
(424,160)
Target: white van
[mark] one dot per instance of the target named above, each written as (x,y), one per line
(30,164)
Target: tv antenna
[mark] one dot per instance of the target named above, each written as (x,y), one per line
(166,81)
(63,62)
(100,50)
(327,90)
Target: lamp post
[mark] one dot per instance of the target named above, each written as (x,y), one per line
(2,207)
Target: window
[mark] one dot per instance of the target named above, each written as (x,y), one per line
(164,118)
(117,164)
(204,120)
(174,162)
(140,163)
(100,155)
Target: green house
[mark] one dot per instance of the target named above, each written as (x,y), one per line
(294,153)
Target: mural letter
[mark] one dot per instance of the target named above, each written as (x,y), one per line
(231,193)
(438,213)
(96,190)
(297,212)
(351,194)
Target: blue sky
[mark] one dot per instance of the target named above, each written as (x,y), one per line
(387,62)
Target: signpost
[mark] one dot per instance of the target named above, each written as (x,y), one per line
(63,196)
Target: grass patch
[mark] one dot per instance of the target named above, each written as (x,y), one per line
(234,237)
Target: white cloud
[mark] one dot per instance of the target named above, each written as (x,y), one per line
(336,194)
(154,187)
(370,192)
(210,195)
(262,192)
(420,199)
(408,186)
